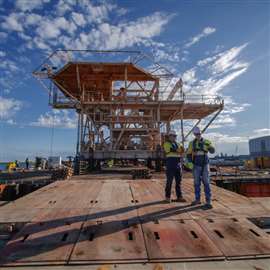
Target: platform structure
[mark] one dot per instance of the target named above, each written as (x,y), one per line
(125,101)
(107,219)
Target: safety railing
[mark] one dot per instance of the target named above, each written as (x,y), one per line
(206,99)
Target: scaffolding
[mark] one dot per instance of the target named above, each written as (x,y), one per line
(125,101)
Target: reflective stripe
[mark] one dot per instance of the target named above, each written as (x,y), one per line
(199,153)
(172,154)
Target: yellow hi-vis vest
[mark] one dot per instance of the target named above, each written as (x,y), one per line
(198,150)
(168,149)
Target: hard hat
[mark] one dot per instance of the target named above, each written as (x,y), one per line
(196,130)
(172,132)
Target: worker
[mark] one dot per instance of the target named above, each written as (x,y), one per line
(197,153)
(16,164)
(27,163)
(122,94)
(174,152)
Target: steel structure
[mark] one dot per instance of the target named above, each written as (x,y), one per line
(123,100)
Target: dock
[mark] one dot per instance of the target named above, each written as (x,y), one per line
(104,219)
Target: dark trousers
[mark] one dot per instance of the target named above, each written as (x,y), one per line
(173,172)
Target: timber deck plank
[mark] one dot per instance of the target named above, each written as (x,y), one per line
(110,241)
(120,216)
(181,240)
(41,243)
(237,237)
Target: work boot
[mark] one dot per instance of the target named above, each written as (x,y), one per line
(208,205)
(196,202)
(168,200)
(180,199)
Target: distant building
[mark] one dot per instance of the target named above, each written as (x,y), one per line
(259,147)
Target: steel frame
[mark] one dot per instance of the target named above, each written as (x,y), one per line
(129,120)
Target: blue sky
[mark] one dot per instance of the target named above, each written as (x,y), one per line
(217,47)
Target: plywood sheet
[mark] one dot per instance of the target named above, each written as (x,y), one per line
(8,215)
(237,237)
(172,211)
(181,241)
(114,194)
(218,211)
(65,215)
(110,241)
(41,243)
(143,192)
(113,213)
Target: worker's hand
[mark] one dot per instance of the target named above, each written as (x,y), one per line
(211,149)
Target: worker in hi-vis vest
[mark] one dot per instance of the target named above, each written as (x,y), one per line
(197,153)
(174,153)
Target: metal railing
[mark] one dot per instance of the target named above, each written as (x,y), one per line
(207,99)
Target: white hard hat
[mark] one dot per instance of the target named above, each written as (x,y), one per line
(172,132)
(196,130)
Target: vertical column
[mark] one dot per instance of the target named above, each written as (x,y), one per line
(168,126)
(182,127)
(81,130)
(78,133)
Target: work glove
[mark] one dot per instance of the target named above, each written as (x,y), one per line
(211,149)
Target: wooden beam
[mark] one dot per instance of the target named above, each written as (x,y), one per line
(178,85)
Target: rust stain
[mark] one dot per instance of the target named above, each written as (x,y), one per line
(158,267)
(104,267)
(257,268)
(79,253)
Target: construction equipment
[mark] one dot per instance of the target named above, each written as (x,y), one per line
(119,103)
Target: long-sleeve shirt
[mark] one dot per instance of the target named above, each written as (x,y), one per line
(198,150)
(173,149)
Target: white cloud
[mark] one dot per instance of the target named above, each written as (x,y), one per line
(98,13)
(233,107)
(216,72)
(9,107)
(78,18)
(8,65)
(59,119)
(223,120)
(189,76)
(2,53)
(203,79)
(227,60)
(28,5)
(51,28)
(13,22)
(225,138)
(261,132)
(171,53)
(206,32)
(33,19)
(39,42)
(64,6)
(107,36)
(219,84)
(207,60)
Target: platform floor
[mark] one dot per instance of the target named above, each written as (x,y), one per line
(107,219)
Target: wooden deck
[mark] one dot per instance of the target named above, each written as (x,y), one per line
(105,219)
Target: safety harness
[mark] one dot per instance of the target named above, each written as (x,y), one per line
(198,150)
